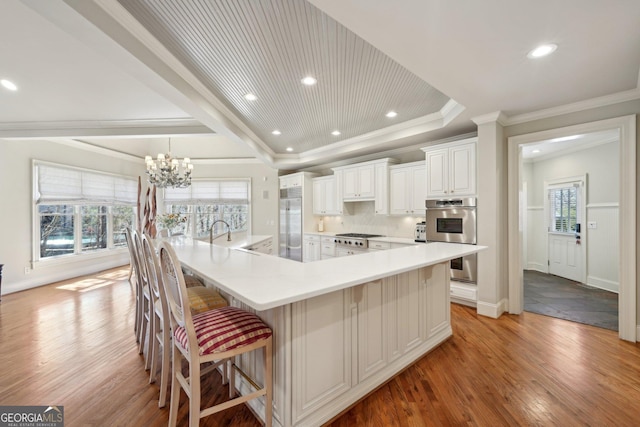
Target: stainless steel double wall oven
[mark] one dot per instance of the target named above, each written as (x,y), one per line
(454,221)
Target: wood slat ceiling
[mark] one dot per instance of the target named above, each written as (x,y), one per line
(266,47)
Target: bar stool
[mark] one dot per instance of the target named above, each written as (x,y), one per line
(214,336)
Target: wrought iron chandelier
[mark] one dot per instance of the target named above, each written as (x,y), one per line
(165,171)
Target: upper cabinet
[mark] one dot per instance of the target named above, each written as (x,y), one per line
(451,169)
(325,196)
(359,182)
(291,181)
(365,181)
(407,189)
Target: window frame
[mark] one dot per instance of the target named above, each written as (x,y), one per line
(192,202)
(78,252)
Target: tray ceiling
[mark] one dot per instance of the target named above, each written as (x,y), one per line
(266,47)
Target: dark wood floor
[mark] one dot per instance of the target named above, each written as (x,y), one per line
(72,344)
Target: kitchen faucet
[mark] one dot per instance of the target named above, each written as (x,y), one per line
(211,230)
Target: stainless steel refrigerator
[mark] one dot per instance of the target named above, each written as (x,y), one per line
(291,223)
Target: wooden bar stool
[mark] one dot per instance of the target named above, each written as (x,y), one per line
(213,336)
(201,299)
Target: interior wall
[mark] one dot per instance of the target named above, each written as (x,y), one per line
(591,115)
(597,163)
(16,214)
(16,194)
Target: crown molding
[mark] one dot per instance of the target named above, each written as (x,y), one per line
(495,117)
(603,101)
(92,128)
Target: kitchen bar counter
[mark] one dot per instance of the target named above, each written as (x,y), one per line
(264,282)
(341,327)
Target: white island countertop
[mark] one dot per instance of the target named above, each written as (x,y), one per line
(266,281)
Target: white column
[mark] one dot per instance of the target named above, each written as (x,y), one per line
(492,216)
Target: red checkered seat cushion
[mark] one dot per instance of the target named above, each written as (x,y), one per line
(223,329)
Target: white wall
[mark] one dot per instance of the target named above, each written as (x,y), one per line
(600,165)
(16,214)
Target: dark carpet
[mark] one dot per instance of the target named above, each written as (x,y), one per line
(558,297)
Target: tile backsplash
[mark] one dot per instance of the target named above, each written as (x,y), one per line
(362,219)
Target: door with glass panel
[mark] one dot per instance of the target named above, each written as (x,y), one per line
(565,213)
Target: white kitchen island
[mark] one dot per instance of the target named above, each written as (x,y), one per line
(342,327)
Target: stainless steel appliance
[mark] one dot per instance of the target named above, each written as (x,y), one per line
(352,243)
(420,235)
(291,223)
(454,221)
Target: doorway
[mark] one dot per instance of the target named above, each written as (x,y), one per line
(625,249)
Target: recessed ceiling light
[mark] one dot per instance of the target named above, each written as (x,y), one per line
(276,132)
(309,81)
(391,114)
(289,149)
(542,50)
(250,97)
(535,151)
(335,133)
(8,84)
(565,138)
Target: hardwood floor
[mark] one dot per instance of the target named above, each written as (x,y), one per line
(72,344)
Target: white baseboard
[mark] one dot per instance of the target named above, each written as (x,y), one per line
(537,267)
(493,310)
(52,277)
(607,285)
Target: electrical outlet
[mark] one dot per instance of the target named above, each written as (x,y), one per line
(592,225)
(27,270)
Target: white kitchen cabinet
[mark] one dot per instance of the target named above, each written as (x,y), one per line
(325,200)
(322,349)
(378,246)
(359,182)
(451,169)
(372,313)
(364,181)
(312,248)
(291,181)
(381,200)
(407,189)
(328,247)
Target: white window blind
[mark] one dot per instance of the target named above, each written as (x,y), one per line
(210,192)
(66,184)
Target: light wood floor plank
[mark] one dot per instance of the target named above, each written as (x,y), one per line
(72,343)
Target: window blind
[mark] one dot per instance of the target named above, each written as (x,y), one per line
(66,184)
(210,192)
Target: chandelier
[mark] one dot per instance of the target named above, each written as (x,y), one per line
(165,171)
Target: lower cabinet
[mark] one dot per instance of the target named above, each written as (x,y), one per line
(346,342)
(311,249)
(321,351)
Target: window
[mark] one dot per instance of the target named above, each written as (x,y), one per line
(564,209)
(207,201)
(81,211)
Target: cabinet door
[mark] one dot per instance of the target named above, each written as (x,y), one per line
(350,183)
(437,173)
(318,196)
(372,346)
(330,198)
(321,351)
(437,298)
(418,193)
(462,170)
(398,188)
(366,182)
(381,203)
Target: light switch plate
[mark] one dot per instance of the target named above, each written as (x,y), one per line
(592,224)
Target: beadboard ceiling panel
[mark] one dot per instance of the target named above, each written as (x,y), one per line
(266,47)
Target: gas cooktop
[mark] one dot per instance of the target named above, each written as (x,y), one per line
(358,235)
